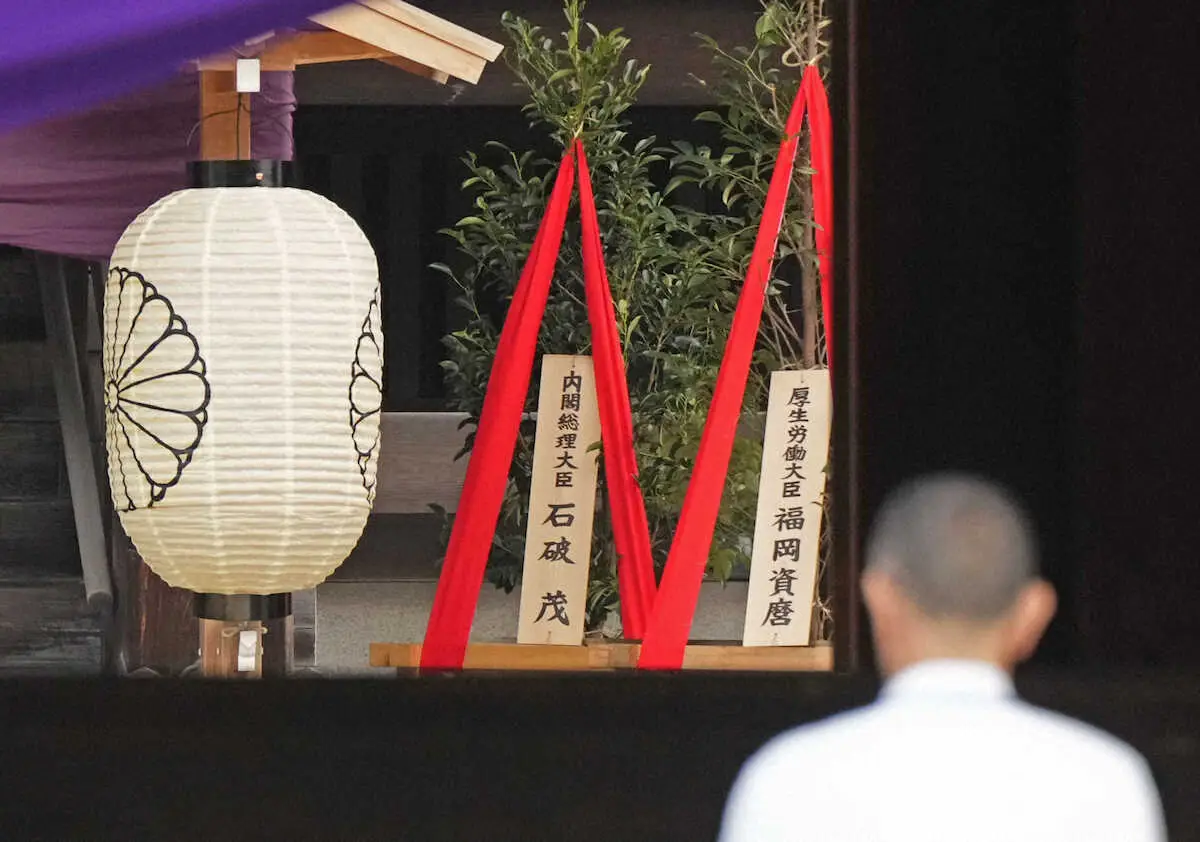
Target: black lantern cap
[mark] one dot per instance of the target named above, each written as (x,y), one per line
(242,607)
(259,173)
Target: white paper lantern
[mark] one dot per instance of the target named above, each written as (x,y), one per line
(243,368)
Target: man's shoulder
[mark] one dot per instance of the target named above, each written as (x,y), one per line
(1041,732)
(910,753)
(1073,738)
(826,735)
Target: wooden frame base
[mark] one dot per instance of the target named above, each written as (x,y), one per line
(613,656)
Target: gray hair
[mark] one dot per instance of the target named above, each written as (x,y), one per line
(958,545)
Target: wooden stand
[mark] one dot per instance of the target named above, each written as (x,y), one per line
(406,657)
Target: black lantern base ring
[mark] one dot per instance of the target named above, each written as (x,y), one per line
(263,172)
(242,608)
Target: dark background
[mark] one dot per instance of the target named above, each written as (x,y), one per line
(597,758)
(1026,291)
(965,352)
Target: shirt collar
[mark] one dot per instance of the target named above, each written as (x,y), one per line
(950,678)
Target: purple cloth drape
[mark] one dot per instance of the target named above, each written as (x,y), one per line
(63,56)
(71,185)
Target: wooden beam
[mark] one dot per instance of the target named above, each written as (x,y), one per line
(47,629)
(439,28)
(392,32)
(77,439)
(374,27)
(156,626)
(219,649)
(224,117)
(289,51)
(323,47)
(613,656)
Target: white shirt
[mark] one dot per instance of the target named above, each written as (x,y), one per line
(947,753)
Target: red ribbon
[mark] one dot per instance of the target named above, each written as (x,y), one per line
(631,530)
(667,634)
(479,504)
(495,440)
(821,149)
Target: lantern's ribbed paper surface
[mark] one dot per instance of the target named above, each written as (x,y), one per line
(243,371)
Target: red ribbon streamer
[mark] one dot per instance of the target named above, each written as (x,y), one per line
(496,437)
(821,148)
(631,530)
(667,634)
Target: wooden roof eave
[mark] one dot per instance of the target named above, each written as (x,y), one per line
(389,31)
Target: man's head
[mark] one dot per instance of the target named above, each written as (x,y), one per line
(952,572)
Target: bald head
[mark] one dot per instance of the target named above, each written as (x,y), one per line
(958,546)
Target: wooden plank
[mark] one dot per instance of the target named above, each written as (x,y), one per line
(562,503)
(287,52)
(416,461)
(408,42)
(324,47)
(734,657)
(500,656)
(604,656)
(224,117)
(46,628)
(37,537)
(791,496)
(439,28)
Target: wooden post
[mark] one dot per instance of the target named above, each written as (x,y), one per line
(224,117)
(220,645)
(156,622)
(243,637)
(851,160)
(72,413)
(274,643)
